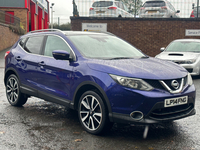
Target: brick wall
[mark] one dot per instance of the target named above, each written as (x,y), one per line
(7,37)
(21,13)
(148,35)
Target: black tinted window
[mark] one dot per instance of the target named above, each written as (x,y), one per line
(154,4)
(55,43)
(102,4)
(33,45)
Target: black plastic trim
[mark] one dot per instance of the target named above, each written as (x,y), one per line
(28,90)
(54,99)
(125,118)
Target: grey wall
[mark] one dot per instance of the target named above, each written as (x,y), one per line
(12,3)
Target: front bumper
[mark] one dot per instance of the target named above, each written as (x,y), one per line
(193,69)
(151,106)
(124,118)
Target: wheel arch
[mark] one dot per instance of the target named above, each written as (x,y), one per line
(89,85)
(8,73)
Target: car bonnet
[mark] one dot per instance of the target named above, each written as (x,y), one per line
(144,68)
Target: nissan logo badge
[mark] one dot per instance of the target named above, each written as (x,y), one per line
(175,84)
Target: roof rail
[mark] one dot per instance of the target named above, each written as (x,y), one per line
(105,32)
(42,30)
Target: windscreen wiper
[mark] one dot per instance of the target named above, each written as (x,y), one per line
(121,58)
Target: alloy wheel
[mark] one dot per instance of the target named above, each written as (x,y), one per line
(12,90)
(90,112)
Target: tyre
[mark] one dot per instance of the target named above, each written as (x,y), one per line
(92,113)
(14,96)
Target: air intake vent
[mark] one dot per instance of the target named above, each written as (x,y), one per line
(175,54)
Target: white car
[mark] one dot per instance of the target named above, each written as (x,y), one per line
(158,9)
(185,52)
(109,9)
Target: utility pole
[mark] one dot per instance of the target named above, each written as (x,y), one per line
(135,9)
(58,21)
(197,8)
(52,15)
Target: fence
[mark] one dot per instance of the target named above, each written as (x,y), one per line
(137,8)
(7,18)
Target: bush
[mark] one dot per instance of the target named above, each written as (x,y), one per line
(66,26)
(17,29)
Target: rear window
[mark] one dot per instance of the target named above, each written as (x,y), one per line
(154,4)
(102,4)
(34,44)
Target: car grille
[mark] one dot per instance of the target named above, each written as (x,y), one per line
(157,85)
(171,112)
(190,70)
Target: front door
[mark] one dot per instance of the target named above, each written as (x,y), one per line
(55,75)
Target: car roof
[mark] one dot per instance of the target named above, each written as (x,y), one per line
(187,40)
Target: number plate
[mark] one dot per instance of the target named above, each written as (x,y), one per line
(152,11)
(100,12)
(176,101)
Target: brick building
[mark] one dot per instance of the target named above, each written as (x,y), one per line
(33,14)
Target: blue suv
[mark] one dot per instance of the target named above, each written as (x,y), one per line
(101,76)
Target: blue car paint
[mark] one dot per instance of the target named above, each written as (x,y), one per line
(53,78)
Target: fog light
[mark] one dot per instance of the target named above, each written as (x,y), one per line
(137,115)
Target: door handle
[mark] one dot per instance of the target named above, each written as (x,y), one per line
(18,58)
(41,63)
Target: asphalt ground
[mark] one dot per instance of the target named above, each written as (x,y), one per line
(40,125)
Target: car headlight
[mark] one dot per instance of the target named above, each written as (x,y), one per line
(189,79)
(191,61)
(134,83)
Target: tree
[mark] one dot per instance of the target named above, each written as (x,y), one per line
(66,26)
(133,5)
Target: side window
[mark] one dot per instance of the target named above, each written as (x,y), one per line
(33,45)
(22,42)
(55,43)
(121,5)
(117,4)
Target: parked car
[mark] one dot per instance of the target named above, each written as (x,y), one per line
(100,75)
(185,52)
(158,9)
(109,9)
(194,13)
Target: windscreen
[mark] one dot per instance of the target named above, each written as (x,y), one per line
(184,47)
(154,4)
(104,47)
(102,4)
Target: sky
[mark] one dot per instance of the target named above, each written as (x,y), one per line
(64,8)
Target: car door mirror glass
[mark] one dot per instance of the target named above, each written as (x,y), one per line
(61,55)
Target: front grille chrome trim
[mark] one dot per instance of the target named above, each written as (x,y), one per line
(170,90)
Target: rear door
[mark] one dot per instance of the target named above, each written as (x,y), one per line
(55,75)
(28,63)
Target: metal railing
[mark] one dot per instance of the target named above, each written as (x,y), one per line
(9,19)
(134,8)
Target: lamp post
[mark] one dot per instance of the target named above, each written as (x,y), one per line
(52,15)
(197,8)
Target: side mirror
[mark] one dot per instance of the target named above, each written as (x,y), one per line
(61,55)
(178,11)
(162,49)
